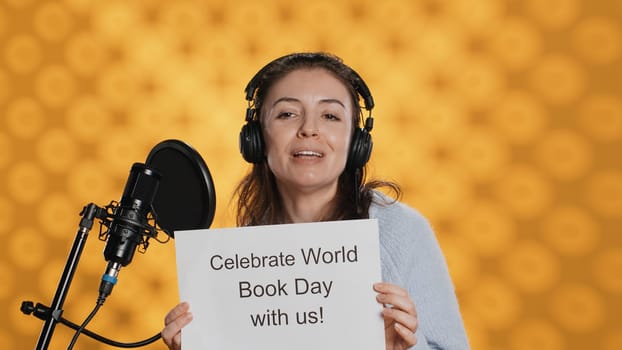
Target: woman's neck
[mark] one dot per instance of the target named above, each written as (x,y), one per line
(300,206)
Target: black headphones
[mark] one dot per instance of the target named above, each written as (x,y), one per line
(251,139)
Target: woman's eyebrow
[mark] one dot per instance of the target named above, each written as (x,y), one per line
(293,99)
(333,100)
(285,99)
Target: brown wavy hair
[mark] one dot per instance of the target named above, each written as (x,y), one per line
(259,201)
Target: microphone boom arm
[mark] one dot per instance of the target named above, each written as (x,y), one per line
(89,213)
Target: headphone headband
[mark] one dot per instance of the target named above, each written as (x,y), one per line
(358,83)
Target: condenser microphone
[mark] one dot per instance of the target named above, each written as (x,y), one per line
(129,223)
(174,188)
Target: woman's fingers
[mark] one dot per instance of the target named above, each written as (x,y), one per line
(171,334)
(398,302)
(176,325)
(399,312)
(383,287)
(402,318)
(390,294)
(406,334)
(174,321)
(177,311)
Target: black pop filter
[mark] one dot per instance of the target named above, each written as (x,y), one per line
(186,199)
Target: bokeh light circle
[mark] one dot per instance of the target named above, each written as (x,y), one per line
(84,55)
(598,40)
(520,117)
(57,150)
(497,304)
(58,216)
(564,154)
(517,43)
(571,231)
(55,85)
(26,248)
(524,190)
(26,182)
(559,78)
(25,117)
(87,119)
(483,154)
(578,308)
(52,21)
(531,267)
(23,53)
(488,228)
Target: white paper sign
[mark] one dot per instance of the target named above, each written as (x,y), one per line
(297,286)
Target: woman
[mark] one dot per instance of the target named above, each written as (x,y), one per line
(309,154)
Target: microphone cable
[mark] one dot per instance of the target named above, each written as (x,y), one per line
(40,311)
(100,302)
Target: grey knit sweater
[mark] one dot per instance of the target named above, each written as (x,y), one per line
(411,258)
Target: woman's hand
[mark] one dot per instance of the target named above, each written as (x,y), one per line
(174,321)
(400,316)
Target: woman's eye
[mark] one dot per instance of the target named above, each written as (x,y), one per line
(330,116)
(285,115)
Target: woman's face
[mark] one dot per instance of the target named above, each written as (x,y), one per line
(307,125)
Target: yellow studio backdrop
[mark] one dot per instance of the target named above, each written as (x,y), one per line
(502,120)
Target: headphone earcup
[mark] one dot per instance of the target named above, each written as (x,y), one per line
(251,142)
(360,149)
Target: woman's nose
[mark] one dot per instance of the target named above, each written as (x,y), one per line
(308,128)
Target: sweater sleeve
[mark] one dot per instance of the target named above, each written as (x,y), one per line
(411,258)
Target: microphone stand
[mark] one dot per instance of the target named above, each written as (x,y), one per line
(89,213)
